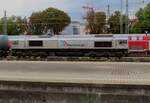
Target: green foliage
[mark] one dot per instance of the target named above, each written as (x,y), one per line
(100,19)
(15,25)
(36,23)
(142,23)
(114,22)
(49,19)
(96,22)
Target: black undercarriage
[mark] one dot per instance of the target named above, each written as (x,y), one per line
(70,52)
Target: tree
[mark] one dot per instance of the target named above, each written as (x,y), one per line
(96,22)
(36,24)
(143,20)
(100,22)
(15,25)
(90,21)
(49,19)
(114,22)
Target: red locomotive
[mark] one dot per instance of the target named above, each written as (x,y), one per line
(139,44)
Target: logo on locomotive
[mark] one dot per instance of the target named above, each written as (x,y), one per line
(67,44)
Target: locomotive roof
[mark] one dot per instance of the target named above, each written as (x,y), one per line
(87,37)
(73,37)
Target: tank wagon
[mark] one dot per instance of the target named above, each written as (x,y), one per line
(79,45)
(5,45)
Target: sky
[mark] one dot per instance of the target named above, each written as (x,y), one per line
(72,7)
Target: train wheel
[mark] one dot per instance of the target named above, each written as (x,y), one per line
(91,54)
(51,54)
(138,54)
(119,55)
(107,55)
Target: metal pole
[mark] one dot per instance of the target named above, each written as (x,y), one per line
(108,15)
(5,23)
(127,16)
(108,11)
(121,19)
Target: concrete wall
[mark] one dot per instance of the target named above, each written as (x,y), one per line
(27,92)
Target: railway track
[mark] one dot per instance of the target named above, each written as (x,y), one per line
(96,59)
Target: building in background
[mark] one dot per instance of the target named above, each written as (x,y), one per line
(75,28)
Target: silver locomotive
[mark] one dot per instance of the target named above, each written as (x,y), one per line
(70,45)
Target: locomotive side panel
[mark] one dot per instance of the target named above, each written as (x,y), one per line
(18,44)
(121,41)
(51,44)
(138,44)
(42,44)
(76,43)
(71,46)
(148,40)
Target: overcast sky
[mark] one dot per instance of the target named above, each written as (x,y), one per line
(72,7)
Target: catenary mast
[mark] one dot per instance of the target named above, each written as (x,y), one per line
(5,23)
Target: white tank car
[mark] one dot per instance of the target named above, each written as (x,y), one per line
(79,45)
